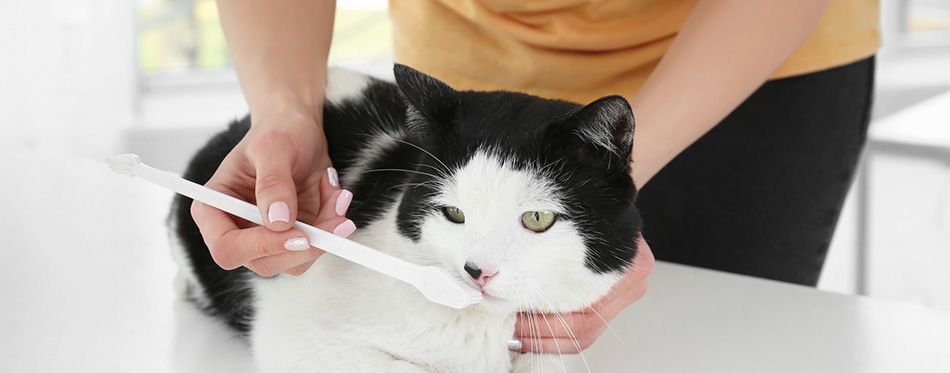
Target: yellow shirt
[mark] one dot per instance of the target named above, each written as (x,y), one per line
(580,50)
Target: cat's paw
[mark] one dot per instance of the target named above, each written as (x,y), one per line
(545,363)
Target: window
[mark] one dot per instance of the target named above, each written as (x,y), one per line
(185,36)
(924,23)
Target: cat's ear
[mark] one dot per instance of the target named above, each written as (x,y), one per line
(432,98)
(607,124)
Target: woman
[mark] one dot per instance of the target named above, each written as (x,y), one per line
(750,119)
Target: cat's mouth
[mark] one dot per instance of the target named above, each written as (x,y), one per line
(486,293)
(489,297)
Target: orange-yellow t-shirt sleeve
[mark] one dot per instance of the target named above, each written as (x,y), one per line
(580,50)
(849,31)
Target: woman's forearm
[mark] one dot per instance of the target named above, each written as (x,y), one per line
(725,50)
(279,48)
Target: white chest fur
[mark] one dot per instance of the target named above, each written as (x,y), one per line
(342,317)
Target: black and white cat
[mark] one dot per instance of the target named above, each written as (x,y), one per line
(536,192)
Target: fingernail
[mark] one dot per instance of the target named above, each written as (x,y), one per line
(343,202)
(297,244)
(345,229)
(278,211)
(514,345)
(333,176)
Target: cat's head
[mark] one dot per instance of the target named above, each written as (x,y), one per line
(527,198)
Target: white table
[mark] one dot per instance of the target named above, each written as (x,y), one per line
(87,286)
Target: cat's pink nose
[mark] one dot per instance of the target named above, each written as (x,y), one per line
(480,275)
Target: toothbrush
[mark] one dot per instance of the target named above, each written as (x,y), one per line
(436,284)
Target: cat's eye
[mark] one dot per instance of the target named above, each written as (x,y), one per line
(454,214)
(538,221)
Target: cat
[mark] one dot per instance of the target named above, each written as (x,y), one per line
(530,197)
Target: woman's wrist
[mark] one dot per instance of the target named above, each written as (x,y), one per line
(287,105)
(280,49)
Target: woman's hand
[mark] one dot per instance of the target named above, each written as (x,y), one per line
(579,330)
(279,49)
(282,166)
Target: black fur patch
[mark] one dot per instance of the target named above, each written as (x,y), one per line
(228,292)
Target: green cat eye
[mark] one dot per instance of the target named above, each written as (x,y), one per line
(538,221)
(454,214)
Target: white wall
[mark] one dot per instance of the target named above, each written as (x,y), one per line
(905,77)
(67,73)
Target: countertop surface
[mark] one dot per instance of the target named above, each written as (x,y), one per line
(926,124)
(88,286)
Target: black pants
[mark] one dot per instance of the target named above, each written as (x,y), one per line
(760,194)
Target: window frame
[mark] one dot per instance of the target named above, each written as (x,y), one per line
(904,38)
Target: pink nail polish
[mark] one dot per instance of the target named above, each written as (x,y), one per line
(343,202)
(278,211)
(333,176)
(345,229)
(297,244)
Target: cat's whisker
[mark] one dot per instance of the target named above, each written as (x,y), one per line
(535,335)
(414,185)
(634,266)
(600,301)
(570,332)
(395,170)
(442,172)
(423,150)
(551,329)
(540,356)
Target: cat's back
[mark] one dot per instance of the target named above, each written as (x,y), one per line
(368,141)
(363,121)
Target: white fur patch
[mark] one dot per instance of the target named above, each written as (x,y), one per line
(541,271)
(341,317)
(185,279)
(344,85)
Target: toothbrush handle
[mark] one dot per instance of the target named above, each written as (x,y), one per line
(336,245)
(360,254)
(200,193)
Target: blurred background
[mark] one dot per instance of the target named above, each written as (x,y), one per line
(91,78)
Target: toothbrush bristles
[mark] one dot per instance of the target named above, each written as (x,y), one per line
(123,163)
(439,286)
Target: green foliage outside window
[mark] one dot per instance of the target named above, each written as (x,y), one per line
(185,35)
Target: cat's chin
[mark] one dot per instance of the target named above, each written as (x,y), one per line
(495,305)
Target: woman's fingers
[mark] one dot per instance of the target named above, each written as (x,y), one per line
(236,247)
(297,262)
(264,251)
(329,183)
(555,345)
(299,270)
(334,201)
(576,331)
(280,263)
